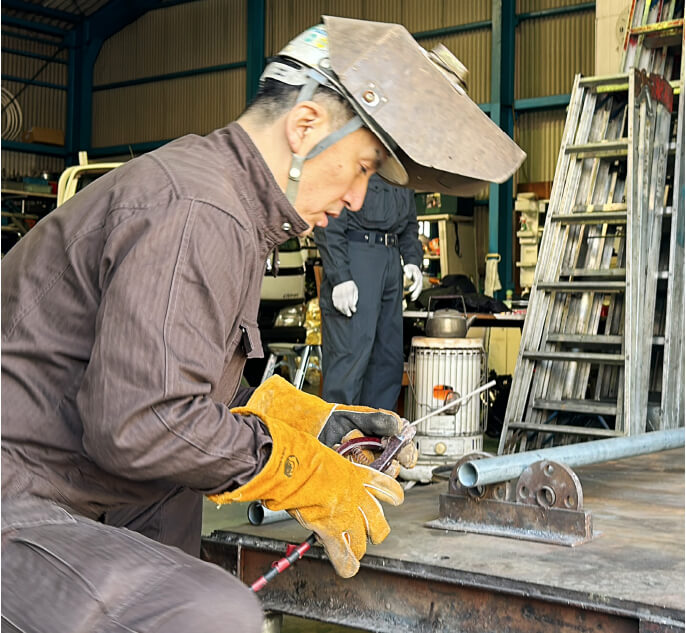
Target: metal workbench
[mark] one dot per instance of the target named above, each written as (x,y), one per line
(630,577)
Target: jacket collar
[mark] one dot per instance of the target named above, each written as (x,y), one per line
(269,209)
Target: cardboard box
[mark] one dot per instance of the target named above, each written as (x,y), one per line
(44,135)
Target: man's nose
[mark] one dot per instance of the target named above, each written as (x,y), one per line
(354,198)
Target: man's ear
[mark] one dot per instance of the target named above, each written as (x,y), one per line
(306,125)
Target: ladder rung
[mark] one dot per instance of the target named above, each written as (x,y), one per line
(585,339)
(582,357)
(582,286)
(601,80)
(598,217)
(561,428)
(658,28)
(596,208)
(674,83)
(604,273)
(601,149)
(577,406)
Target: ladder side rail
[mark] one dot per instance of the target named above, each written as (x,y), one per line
(634,319)
(649,272)
(673,359)
(640,318)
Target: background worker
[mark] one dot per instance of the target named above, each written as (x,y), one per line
(127,316)
(365,256)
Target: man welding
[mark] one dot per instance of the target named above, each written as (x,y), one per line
(128,314)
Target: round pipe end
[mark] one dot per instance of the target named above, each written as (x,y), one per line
(255,513)
(468,475)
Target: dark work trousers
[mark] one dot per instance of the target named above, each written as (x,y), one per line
(63,572)
(362,355)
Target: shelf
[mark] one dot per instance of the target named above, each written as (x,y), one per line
(447,217)
(27,194)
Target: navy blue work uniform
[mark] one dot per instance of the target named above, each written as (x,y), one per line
(362,355)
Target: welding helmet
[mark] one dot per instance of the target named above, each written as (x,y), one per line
(413,100)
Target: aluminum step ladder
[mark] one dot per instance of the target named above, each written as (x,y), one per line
(603,341)
(583,346)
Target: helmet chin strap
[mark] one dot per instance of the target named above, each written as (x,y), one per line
(315,79)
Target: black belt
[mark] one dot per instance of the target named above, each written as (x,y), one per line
(373,237)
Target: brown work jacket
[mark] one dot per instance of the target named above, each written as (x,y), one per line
(127,316)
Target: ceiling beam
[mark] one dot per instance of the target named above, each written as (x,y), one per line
(36,27)
(44,12)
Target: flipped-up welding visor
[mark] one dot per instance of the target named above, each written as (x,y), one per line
(438,139)
(442,138)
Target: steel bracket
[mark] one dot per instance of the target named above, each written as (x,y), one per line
(544,504)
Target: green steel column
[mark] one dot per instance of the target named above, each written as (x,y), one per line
(500,209)
(85,45)
(255,52)
(83,51)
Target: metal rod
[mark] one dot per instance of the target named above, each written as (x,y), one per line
(480,472)
(454,403)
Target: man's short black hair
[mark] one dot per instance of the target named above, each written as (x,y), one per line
(273,97)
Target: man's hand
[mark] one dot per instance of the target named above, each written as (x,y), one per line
(344,297)
(412,272)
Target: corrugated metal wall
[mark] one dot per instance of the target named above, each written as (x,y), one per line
(539,134)
(40,106)
(212,32)
(549,51)
(181,38)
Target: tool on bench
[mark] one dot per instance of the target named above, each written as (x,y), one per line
(391,448)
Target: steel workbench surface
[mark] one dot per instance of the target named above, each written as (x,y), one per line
(629,577)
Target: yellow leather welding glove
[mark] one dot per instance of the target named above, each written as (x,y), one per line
(279,399)
(328,495)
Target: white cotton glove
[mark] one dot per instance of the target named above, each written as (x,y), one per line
(412,272)
(344,297)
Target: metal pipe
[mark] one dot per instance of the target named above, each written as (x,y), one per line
(480,472)
(259,515)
